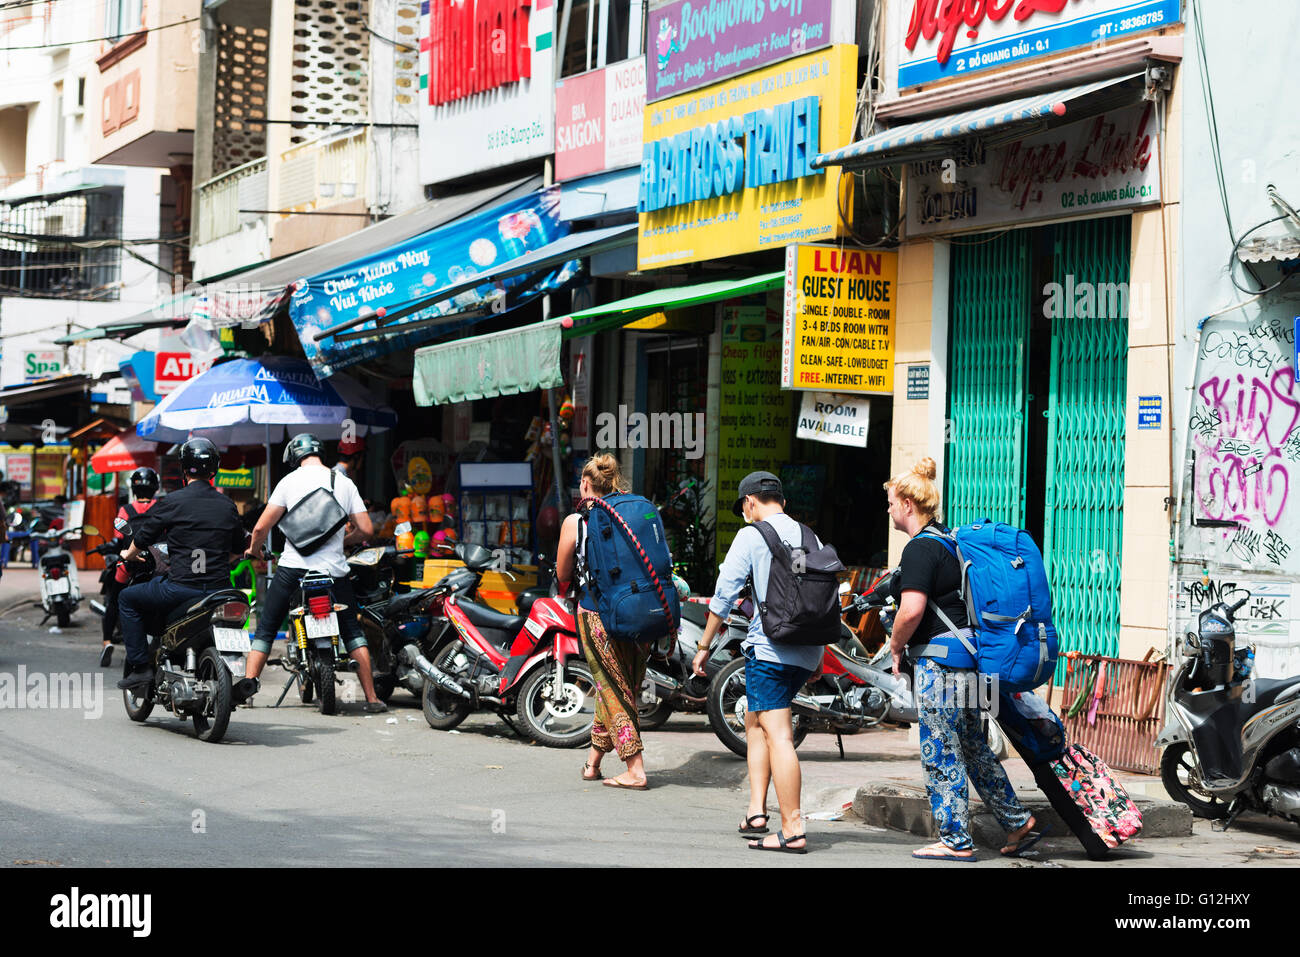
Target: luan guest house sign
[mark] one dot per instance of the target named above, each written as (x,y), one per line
(941,39)
(1110,161)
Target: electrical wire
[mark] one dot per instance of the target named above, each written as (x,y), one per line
(1207,91)
(122,36)
(396,43)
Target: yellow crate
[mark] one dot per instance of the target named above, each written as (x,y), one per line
(496,590)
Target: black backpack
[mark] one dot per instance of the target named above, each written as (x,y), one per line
(802,604)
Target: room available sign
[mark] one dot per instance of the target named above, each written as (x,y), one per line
(839,319)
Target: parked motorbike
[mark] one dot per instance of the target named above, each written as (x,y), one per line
(1232,741)
(196,651)
(855,690)
(394,616)
(526,667)
(60,585)
(670,682)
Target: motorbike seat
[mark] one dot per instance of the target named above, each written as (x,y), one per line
(696,612)
(206,603)
(1268,691)
(499,628)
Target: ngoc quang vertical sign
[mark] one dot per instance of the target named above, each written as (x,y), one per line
(728,169)
(839,319)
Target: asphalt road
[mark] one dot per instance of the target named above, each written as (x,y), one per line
(290,787)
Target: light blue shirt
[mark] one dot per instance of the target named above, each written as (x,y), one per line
(749,553)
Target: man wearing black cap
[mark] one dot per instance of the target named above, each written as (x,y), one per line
(774,673)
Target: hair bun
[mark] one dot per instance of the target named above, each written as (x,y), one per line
(926,468)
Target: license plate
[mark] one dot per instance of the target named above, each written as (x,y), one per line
(327,627)
(231,639)
(60,586)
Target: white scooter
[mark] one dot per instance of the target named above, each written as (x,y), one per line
(60,586)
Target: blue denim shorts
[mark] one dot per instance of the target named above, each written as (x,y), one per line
(770,686)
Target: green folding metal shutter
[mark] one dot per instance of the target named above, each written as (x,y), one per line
(989,337)
(1083,525)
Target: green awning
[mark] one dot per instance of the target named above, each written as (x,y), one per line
(623,311)
(500,363)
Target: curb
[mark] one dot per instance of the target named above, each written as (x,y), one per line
(903,807)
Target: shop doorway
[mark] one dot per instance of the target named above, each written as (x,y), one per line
(1038,360)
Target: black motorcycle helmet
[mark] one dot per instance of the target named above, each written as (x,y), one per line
(301,447)
(200,459)
(144,483)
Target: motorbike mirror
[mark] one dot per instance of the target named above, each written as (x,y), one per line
(89,530)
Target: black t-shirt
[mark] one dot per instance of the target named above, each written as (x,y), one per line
(927,566)
(196,517)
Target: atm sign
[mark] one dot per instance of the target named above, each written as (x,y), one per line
(174,369)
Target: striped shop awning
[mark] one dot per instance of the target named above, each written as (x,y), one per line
(880,148)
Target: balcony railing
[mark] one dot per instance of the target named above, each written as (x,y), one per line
(228,202)
(324,172)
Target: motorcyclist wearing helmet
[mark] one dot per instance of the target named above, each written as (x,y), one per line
(144,486)
(303,455)
(202,531)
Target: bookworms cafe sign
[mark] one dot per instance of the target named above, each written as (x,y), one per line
(1105,162)
(694,44)
(839,319)
(940,39)
(726,170)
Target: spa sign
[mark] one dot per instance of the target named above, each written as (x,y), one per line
(839,319)
(728,169)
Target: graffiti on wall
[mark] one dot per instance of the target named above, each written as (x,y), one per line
(1266,622)
(1244,448)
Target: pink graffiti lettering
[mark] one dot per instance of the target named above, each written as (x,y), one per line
(1242,470)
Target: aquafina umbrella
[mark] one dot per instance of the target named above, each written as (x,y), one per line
(264,400)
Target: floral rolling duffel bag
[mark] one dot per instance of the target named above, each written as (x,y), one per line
(1106,806)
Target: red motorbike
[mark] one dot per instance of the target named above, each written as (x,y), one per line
(528,667)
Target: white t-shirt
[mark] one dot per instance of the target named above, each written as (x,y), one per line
(329,558)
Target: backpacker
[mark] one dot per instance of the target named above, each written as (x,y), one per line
(624,563)
(1004,585)
(802,604)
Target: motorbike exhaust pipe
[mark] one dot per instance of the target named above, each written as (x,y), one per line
(411,656)
(98,608)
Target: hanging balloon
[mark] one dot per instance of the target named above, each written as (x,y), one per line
(566,409)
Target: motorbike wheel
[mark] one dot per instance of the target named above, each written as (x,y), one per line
(726,706)
(651,716)
(63,615)
(328,700)
(384,687)
(568,724)
(138,707)
(210,667)
(1177,768)
(442,710)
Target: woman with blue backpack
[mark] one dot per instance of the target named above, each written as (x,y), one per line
(933,628)
(616,551)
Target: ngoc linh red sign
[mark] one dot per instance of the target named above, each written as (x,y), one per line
(476,46)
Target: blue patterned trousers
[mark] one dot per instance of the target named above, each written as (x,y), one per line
(953,747)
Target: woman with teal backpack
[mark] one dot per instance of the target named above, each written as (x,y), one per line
(952,740)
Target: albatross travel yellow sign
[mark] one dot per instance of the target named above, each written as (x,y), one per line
(839,319)
(727,169)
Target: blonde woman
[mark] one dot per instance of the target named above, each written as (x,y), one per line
(952,741)
(618,667)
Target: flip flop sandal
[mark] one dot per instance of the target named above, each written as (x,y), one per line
(587,767)
(747,829)
(1026,842)
(944,857)
(615,783)
(783,844)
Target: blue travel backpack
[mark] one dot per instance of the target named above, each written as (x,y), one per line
(1004,585)
(625,564)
